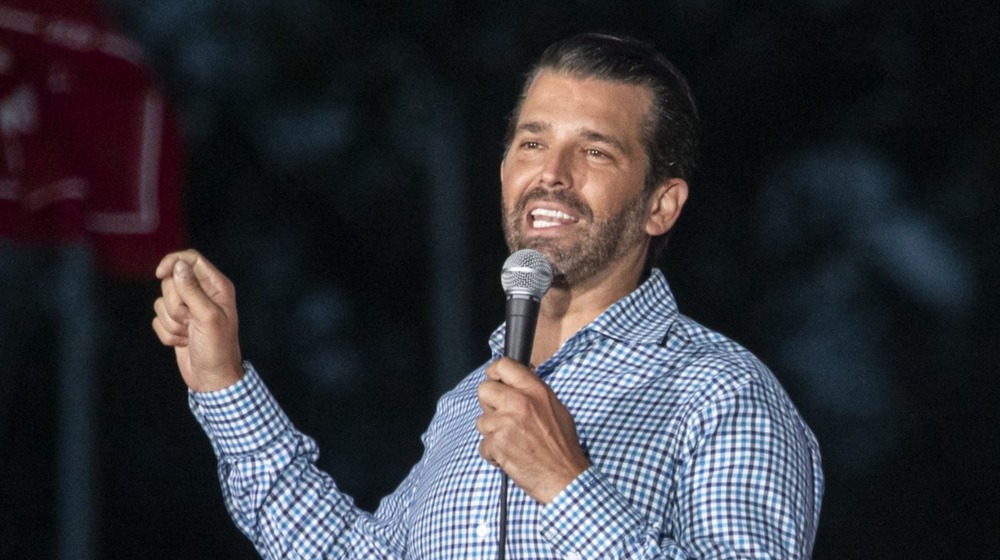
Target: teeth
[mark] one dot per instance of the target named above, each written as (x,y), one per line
(557,214)
(545,224)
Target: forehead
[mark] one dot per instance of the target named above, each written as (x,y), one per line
(559,99)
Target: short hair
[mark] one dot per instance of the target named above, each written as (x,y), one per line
(671,131)
(670,134)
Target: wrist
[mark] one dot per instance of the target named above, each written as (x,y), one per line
(218,380)
(559,483)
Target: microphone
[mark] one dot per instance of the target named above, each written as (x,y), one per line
(526,276)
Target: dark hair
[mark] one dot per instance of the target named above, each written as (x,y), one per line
(671,130)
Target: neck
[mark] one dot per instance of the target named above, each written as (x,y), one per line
(566,310)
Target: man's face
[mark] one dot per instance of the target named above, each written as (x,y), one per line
(573,175)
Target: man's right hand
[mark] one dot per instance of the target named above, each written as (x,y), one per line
(196,315)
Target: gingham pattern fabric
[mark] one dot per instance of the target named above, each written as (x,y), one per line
(697,452)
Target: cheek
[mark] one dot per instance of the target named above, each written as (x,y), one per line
(606,196)
(510,184)
(507,197)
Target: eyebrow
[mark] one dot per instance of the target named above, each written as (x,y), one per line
(595,136)
(536,127)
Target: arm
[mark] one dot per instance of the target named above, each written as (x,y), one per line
(744,489)
(274,492)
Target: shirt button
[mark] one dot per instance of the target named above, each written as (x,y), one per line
(574,555)
(483,530)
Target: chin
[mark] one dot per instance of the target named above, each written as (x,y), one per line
(546,247)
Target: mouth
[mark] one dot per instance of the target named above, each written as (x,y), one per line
(546,218)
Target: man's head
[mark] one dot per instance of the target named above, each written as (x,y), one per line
(666,124)
(672,129)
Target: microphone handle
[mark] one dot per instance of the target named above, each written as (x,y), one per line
(522,316)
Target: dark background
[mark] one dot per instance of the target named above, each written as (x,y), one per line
(342,170)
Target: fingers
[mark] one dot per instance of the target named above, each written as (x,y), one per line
(487,393)
(511,372)
(174,275)
(192,284)
(488,427)
(509,385)
(485,451)
(527,431)
(504,407)
(172,315)
(168,338)
(514,374)
(190,291)
(197,316)
(173,305)
(166,267)
(167,325)
(185,304)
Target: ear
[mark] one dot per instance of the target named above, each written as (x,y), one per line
(665,206)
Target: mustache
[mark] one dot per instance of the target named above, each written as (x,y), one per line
(565,197)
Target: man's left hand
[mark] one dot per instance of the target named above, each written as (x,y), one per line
(527,432)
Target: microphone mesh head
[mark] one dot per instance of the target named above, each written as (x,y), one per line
(526,272)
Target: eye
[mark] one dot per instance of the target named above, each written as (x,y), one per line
(530,145)
(595,153)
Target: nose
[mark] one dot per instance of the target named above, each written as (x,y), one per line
(557,169)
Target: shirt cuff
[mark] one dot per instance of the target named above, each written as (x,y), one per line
(588,517)
(242,418)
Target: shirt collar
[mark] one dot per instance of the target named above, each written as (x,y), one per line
(642,317)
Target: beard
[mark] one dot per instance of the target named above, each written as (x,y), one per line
(587,252)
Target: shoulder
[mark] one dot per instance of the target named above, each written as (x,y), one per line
(706,371)
(699,361)
(731,389)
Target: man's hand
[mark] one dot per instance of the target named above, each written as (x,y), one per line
(527,432)
(196,315)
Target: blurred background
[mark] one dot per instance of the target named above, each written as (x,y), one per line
(339,161)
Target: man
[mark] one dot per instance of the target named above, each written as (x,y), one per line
(640,434)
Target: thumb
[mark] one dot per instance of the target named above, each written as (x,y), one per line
(191,291)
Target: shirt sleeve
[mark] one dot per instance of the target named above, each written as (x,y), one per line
(749,488)
(273,490)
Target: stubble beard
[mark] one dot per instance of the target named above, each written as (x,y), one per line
(590,251)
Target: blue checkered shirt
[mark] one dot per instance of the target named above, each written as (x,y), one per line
(697,452)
